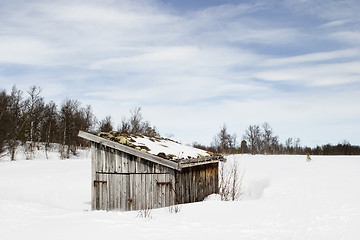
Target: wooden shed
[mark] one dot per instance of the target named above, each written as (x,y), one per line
(132,173)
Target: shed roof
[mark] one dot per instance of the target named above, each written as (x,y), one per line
(160,150)
(159,146)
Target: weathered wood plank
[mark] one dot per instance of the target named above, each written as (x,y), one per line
(202,183)
(102,192)
(138,196)
(118,163)
(178,188)
(124,194)
(113,190)
(98,158)
(186,184)
(103,159)
(210,179)
(116,187)
(159,190)
(195,184)
(163,190)
(151,190)
(166,191)
(111,160)
(144,200)
(146,183)
(138,165)
(130,193)
(216,181)
(132,163)
(95,195)
(93,175)
(173,189)
(111,193)
(124,163)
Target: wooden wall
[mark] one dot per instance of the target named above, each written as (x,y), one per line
(121,181)
(125,182)
(193,184)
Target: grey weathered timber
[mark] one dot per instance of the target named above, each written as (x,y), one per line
(127,179)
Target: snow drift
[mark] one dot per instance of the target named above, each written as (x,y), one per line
(284,197)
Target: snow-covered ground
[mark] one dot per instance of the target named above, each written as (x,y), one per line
(285,197)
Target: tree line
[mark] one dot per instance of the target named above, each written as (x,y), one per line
(26,120)
(260,139)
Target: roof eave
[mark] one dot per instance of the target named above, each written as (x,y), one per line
(130,150)
(184,163)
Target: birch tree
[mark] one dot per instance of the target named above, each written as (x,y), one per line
(34,111)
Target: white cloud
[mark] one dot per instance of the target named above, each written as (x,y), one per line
(315,75)
(25,50)
(336,23)
(314,69)
(191,70)
(314,57)
(150,57)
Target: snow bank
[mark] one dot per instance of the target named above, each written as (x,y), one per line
(285,197)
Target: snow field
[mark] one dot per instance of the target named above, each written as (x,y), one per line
(285,197)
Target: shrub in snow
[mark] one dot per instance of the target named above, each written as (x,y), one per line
(230,181)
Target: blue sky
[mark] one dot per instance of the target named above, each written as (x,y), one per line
(194,65)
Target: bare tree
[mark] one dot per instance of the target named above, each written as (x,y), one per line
(105,125)
(135,120)
(49,128)
(4,120)
(289,146)
(72,119)
(223,141)
(274,145)
(148,130)
(269,141)
(267,137)
(67,124)
(124,127)
(297,146)
(230,181)
(136,125)
(253,137)
(87,119)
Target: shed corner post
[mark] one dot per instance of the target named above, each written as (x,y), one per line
(93,175)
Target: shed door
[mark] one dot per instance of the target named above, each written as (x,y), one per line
(111,191)
(100,193)
(164,190)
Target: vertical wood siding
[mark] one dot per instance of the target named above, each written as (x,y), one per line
(124,182)
(193,184)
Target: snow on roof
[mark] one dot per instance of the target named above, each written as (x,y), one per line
(162,147)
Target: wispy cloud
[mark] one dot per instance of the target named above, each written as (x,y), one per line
(319,75)
(240,63)
(317,57)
